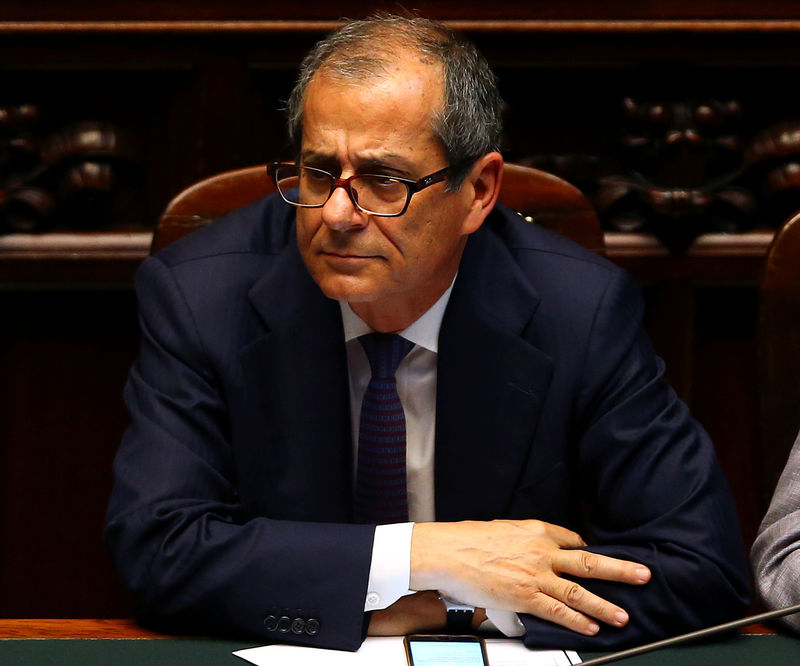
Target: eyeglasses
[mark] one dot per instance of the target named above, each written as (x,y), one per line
(384,196)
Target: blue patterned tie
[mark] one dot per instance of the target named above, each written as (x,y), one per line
(381,474)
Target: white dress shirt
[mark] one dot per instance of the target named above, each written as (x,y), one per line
(416,385)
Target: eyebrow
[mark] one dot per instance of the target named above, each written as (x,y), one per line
(371,162)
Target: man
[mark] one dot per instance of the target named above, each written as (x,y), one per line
(530,395)
(776,549)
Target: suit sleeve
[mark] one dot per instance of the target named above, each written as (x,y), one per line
(652,489)
(176,530)
(776,550)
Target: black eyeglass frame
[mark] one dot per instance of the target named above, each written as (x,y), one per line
(412,186)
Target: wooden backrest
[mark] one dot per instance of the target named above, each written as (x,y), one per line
(538,196)
(209,199)
(779,353)
(552,202)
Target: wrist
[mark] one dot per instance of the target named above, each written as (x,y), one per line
(460,617)
(423,571)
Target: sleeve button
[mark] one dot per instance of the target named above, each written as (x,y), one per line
(312,626)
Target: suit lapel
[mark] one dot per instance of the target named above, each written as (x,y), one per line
(491,384)
(297,364)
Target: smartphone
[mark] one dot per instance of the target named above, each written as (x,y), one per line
(443,650)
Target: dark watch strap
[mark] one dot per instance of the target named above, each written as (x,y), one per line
(459,616)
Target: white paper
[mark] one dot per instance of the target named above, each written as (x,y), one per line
(389,651)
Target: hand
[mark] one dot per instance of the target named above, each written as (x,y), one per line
(415,613)
(517,565)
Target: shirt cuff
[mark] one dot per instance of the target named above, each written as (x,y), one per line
(390,568)
(507,622)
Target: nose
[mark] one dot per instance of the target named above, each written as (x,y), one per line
(340,213)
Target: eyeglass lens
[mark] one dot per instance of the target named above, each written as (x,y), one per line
(312,187)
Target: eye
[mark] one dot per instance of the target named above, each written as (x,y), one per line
(317,176)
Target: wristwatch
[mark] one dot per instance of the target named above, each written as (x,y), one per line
(459,616)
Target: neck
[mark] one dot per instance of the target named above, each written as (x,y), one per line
(386,318)
(397,314)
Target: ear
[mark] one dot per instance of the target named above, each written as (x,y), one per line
(484,185)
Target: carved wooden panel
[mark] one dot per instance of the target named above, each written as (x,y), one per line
(76,176)
(681,168)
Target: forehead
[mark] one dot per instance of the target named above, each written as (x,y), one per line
(387,111)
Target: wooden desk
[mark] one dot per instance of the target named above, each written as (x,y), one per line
(92,642)
(755,646)
(127,628)
(73,628)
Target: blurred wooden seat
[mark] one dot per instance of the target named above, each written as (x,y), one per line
(779,354)
(538,196)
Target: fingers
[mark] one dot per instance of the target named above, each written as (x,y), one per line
(569,604)
(572,606)
(553,610)
(579,562)
(592,565)
(561,536)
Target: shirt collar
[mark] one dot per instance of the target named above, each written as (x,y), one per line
(424,332)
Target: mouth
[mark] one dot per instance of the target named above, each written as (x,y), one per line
(345,256)
(348,263)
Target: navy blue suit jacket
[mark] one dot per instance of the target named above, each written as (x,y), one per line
(233,484)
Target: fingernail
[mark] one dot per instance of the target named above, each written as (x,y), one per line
(620,618)
(643,574)
(593,629)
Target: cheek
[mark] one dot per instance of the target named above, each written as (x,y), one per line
(418,231)
(434,236)
(438,242)
(424,249)
(307,226)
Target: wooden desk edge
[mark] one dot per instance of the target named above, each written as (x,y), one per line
(74,628)
(127,628)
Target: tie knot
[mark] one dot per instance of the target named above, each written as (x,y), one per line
(384,352)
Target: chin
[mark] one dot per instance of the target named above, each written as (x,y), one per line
(346,289)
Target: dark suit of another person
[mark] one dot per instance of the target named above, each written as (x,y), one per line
(233,491)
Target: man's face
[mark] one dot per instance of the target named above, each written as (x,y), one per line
(388,269)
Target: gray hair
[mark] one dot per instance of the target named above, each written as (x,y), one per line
(469,125)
